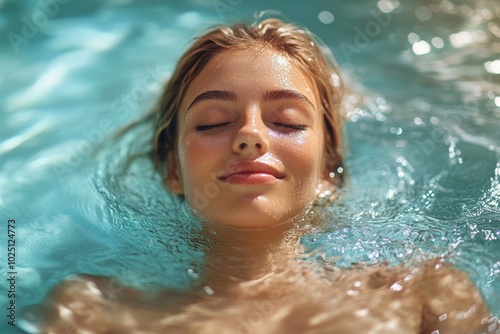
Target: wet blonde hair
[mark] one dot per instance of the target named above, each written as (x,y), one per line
(296,43)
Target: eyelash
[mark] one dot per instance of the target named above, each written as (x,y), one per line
(211,126)
(297,127)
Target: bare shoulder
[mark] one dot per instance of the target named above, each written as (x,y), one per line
(451,302)
(97,304)
(78,302)
(432,298)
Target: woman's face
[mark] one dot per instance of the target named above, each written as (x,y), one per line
(251,140)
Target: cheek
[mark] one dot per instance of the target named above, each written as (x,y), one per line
(199,156)
(304,154)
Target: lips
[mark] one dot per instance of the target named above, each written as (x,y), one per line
(251,172)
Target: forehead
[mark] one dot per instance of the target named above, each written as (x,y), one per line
(251,70)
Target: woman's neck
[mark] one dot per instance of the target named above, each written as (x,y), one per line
(237,255)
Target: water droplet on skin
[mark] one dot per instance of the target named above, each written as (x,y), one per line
(191,273)
(208,290)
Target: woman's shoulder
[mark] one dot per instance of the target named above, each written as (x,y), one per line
(101,304)
(450,300)
(433,296)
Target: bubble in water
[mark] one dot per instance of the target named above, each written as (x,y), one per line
(387,6)
(493,66)
(326,17)
(437,42)
(421,48)
(497,101)
(413,38)
(423,13)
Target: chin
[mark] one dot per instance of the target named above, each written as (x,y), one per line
(248,225)
(251,212)
(253,219)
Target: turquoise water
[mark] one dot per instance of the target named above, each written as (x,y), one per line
(423,142)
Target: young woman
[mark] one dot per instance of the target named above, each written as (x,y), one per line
(248,132)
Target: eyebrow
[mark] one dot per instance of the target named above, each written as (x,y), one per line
(286,94)
(271,95)
(222,95)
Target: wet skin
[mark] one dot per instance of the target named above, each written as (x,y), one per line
(292,299)
(251,141)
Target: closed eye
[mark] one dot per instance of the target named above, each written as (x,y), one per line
(211,126)
(298,127)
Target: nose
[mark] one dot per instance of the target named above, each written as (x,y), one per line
(250,140)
